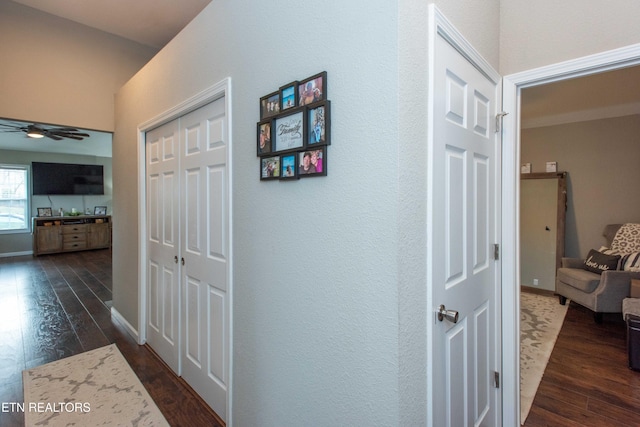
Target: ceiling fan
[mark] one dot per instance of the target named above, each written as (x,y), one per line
(40,131)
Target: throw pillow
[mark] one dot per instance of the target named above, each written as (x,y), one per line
(627,239)
(598,262)
(630,262)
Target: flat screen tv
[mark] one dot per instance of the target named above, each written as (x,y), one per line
(64,178)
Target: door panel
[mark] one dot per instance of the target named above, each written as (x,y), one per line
(162,235)
(463,171)
(205,250)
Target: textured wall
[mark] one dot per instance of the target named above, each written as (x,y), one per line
(57,71)
(315,278)
(544,32)
(601,158)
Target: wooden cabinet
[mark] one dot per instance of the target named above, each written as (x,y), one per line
(67,234)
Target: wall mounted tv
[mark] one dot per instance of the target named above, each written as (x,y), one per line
(64,178)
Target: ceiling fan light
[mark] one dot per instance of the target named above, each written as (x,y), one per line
(35,133)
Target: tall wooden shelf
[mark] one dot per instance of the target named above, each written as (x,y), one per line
(71,233)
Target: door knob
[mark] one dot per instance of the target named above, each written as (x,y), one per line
(450,315)
(175,259)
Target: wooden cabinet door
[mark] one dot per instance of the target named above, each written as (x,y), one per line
(49,239)
(99,236)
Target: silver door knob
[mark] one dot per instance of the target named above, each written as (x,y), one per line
(450,315)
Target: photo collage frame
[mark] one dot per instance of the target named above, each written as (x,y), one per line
(294,130)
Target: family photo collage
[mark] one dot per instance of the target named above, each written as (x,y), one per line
(294,130)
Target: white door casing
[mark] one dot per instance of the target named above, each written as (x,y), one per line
(627,56)
(163,240)
(463,225)
(211,232)
(205,249)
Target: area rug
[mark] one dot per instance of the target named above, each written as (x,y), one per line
(95,388)
(541,319)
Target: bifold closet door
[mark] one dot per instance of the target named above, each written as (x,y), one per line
(205,249)
(163,242)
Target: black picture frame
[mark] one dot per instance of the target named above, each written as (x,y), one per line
(319,124)
(45,212)
(313,89)
(312,169)
(289,131)
(270,105)
(100,210)
(289,96)
(264,140)
(269,168)
(289,166)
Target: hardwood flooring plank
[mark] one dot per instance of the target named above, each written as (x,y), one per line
(587,381)
(61,311)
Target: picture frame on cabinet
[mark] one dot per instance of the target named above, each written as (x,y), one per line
(45,212)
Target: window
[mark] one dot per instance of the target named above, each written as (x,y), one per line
(14,202)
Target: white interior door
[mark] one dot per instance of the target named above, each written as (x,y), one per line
(163,242)
(464,169)
(205,249)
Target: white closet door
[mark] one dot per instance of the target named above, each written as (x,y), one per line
(205,248)
(163,292)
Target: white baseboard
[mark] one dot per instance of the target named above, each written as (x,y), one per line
(10,254)
(132,331)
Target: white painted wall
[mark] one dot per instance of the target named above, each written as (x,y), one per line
(544,32)
(60,72)
(315,303)
(329,305)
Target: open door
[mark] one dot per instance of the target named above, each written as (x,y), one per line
(464,231)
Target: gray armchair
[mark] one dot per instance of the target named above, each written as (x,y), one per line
(602,293)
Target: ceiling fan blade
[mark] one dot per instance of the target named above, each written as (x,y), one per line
(77,136)
(63,130)
(52,136)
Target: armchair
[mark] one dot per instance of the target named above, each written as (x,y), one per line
(601,293)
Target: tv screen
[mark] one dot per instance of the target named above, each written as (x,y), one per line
(64,178)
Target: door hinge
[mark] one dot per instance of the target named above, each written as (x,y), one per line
(496,251)
(499,117)
(496,379)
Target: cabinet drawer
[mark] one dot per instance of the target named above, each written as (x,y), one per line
(79,245)
(80,237)
(75,228)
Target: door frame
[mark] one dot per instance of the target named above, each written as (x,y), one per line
(440,26)
(512,86)
(206,96)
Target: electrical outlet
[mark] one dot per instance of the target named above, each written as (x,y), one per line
(535,282)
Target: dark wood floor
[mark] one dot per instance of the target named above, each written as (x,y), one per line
(587,381)
(57,306)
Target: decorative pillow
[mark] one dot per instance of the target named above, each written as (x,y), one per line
(630,262)
(598,262)
(627,239)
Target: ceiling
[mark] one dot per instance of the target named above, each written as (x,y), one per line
(598,96)
(149,22)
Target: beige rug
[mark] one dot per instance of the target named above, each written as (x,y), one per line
(96,388)
(541,319)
